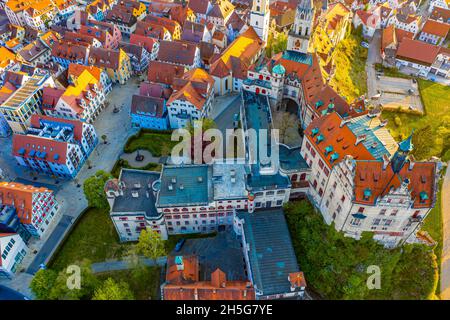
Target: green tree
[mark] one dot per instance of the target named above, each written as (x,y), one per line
(94,189)
(150,245)
(42,283)
(111,290)
(88,283)
(423,139)
(336,266)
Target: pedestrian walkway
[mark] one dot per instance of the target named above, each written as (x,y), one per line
(117,265)
(445,259)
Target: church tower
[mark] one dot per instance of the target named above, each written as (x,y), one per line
(259,18)
(298,39)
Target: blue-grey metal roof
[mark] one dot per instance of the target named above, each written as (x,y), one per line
(361,126)
(291,159)
(185,185)
(137,182)
(297,57)
(271,254)
(259,182)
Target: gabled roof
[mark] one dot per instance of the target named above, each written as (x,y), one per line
(178,52)
(199,6)
(271,254)
(145,104)
(370,175)
(20,196)
(189,94)
(327,131)
(436,28)
(161,72)
(417,51)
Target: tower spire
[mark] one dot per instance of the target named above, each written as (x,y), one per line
(299,36)
(400,156)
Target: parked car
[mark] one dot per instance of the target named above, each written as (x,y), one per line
(365,45)
(179,244)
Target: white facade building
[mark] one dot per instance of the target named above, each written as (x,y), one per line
(12,252)
(260,18)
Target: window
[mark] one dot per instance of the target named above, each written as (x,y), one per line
(382,212)
(376,221)
(355,222)
(394,212)
(343,199)
(361,210)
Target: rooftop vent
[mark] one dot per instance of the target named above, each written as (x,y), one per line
(181,187)
(200,179)
(174,180)
(170,187)
(135,194)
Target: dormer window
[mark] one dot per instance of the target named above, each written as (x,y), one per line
(314,131)
(328,149)
(423,197)
(367,194)
(320,138)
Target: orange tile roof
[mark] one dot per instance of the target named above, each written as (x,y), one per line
(436,28)
(20,196)
(189,94)
(370,175)
(342,139)
(185,284)
(417,51)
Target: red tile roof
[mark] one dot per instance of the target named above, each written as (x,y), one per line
(436,28)
(52,147)
(199,6)
(185,284)
(342,139)
(50,97)
(143,41)
(20,196)
(370,175)
(161,72)
(440,13)
(77,124)
(178,52)
(417,51)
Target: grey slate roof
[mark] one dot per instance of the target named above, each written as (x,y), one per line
(271,253)
(185,185)
(145,202)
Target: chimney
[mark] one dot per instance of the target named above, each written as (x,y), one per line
(385,161)
(218,279)
(360,138)
(179,263)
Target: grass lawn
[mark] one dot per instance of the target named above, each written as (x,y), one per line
(436,102)
(350,78)
(93,237)
(143,282)
(159,144)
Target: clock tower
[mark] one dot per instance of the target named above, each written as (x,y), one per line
(259,18)
(298,39)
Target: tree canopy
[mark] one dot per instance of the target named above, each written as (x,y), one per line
(150,245)
(94,189)
(336,267)
(111,290)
